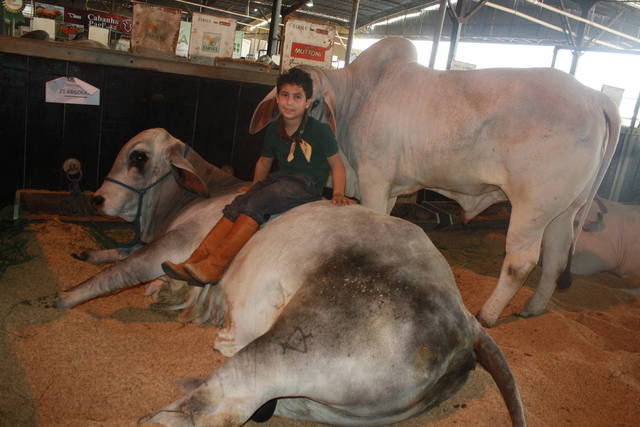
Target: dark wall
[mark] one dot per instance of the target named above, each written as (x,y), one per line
(211,115)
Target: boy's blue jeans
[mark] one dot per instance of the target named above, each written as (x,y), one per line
(275,194)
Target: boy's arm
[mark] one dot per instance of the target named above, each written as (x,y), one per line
(338,178)
(263,166)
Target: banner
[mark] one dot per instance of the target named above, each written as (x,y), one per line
(211,36)
(306,42)
(155,28)
(116,23)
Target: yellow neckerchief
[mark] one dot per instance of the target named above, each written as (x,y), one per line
(296,138)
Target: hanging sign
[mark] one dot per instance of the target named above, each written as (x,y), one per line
(306,42)
(13,6)
(155,28)
(13,11)
(211,36)
(71,90)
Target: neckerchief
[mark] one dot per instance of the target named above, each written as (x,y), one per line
(296,138)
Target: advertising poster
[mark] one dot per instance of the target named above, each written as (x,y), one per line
(45,10)
(306,42)
(211,36)
(155,28)
(122,25)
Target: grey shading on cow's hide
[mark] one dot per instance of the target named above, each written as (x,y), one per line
(348,317)
(536,137)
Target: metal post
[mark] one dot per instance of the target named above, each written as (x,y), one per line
(352,31)
(586,8)
(274,28)
(625,157)
(455,33)
(555,56)
(437,32)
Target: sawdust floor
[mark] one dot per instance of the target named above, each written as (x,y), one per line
(111,361)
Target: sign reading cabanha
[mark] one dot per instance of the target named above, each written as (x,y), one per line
(71,90)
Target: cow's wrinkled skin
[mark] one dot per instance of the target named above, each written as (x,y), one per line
(173,221)
(536,137)
(348,317)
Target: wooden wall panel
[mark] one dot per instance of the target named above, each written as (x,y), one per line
(209,114)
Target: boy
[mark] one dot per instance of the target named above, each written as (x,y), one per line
(306,151)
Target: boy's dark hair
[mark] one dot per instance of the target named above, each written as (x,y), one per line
(298,77)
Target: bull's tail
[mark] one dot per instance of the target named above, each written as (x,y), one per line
(613,123)
(491,358)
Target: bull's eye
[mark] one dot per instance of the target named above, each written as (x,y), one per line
(138,158)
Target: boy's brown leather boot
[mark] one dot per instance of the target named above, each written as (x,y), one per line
(211,268)
(207,247)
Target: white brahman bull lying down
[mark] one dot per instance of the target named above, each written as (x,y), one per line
(536,137)
(610,240)
(351,317)
(155,182)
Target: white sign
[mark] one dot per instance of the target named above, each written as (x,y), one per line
(211,36)
(614,93)
(462,66)
(70,90)
(307,43)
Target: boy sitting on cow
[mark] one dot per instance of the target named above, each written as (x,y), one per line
(306,151)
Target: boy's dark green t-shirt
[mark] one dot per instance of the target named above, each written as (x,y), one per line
(322,141)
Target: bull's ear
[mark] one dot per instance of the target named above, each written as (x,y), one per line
(329,115)
(264,113)
(184,173)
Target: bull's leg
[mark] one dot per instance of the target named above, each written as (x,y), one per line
(103,256)
(375,194)
(522,251)
(229,396)
(556,246)
(142,266)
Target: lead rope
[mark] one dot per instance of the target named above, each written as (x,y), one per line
(136,221)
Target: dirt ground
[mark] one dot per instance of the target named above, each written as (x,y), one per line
(111,361)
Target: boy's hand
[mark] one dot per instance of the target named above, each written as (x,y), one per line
(245,188)
(340,200)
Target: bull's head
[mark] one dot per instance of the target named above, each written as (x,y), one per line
(141,169)
(322,103)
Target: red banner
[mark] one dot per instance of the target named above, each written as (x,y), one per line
(307,51)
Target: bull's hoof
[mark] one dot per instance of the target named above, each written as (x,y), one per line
(487,323)
(265,412)
(82,256)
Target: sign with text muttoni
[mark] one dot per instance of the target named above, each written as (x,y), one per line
(155,28)
(211,36)
(306,42)
(71,90)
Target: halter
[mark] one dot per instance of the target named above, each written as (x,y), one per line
(136,221)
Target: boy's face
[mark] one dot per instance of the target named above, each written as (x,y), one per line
(292,101)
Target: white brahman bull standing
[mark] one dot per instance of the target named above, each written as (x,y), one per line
(536,137)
